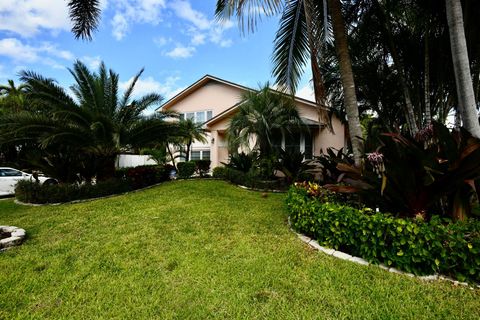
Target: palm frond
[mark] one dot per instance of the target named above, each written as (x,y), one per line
(85,15)
(247,12)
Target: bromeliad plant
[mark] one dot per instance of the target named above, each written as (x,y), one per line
(435,172)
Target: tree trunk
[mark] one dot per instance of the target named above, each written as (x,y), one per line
(348,83)
(461,67)
(187,155)
(428,111)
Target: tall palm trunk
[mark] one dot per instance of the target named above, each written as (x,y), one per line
(428,111)
(461,67)
(348,83)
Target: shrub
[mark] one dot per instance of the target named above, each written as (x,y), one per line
(242,161)
(126,180)
(186,169)
(220,172)
(413,245)
(202,167)
(143,176)
(33,192)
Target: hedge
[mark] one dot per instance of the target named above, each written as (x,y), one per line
(186,169)
(125,180)
(413,245)
(249,179)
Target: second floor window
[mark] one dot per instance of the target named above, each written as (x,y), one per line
(197,117)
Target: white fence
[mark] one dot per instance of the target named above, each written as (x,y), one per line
(134,160)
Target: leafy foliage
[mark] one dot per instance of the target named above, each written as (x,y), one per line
(186,169)
(413,245)
(202,167)
(432,173)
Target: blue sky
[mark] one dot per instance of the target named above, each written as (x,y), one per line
(177,41)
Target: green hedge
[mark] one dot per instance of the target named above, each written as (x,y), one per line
(33,192)
(186,169)
(249,179)
(125,180)
(412,245)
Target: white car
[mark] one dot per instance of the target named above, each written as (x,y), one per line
(9,178)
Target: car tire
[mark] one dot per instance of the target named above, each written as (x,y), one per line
(50,182)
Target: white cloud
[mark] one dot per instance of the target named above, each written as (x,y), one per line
(46,53)
(167,89)
(184,10)
(161,41)
(92,62)
(181,52)
(28,17)
(198,39)
(119,26)
(306,92)
(135,11)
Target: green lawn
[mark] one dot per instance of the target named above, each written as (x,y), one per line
(195,250)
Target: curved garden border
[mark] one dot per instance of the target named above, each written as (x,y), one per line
(17,235)
(345,256)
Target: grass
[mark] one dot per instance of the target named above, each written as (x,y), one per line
(196,250)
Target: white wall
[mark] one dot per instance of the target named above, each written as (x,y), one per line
(134,160)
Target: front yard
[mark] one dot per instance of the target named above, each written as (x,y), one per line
(197,249)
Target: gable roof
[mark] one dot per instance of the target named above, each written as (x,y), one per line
(197,85)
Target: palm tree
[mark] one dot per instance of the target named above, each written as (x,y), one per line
(261,116)
(12,97)
(463,79)
(297,38)
(85,16)
(96,125)
(189,132)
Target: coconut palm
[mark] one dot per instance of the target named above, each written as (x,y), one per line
(96,124)
(261,116)
(297,38)
(463,79)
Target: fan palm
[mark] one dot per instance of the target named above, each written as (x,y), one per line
(96,124)
(261,116)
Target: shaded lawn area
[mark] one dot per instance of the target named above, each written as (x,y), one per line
(195,250)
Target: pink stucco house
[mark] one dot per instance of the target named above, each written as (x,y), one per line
(212,101)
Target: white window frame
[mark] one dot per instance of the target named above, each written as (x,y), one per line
(201,154)
(183,115)
(302,143)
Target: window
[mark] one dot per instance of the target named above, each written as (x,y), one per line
(299,142)
(200,155)
(197,117)
(191,116)
(196,155)
(10,173)
(200,117)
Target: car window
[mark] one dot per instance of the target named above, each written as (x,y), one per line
(10,173)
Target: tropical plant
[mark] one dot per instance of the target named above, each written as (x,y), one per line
(299,37)
(293,165)
(190,131)
(262,116)
(12,98)
(434,173)
(463,79)
(85,17)
(242,161)
(95,126)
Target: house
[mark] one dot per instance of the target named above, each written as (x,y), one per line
(213,101)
